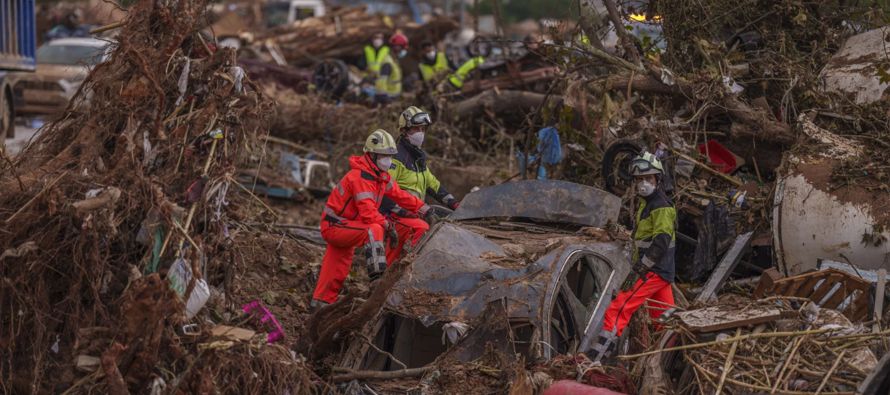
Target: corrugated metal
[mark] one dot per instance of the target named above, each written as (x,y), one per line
(17,35)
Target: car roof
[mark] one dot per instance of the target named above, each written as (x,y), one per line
(80,41)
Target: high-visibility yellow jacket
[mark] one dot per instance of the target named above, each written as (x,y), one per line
(432,71)
(655,235)
(389,80)
(374,57)
(410,171)
(458,77)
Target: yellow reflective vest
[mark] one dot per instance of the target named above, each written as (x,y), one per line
(458,77)
(429,72)
(374,57)
(389,84)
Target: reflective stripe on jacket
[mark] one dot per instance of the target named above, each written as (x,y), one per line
(458,77)
(360,192)
(430,71)
(655,235)
(389,81)
(374,57)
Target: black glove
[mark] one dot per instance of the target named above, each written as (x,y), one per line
(453,204)
(391,235)
(431,217)
(403,213)
(641,269)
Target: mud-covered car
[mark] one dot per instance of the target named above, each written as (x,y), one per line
(525,266)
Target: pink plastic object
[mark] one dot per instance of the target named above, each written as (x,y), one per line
(257,310)
(722,158)
(569,387)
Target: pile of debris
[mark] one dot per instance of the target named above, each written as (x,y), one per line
(344,32)
(123,219)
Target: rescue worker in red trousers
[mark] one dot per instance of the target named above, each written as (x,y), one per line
(351,218)
(654,239)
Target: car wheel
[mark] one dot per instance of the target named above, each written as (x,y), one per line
(7,126)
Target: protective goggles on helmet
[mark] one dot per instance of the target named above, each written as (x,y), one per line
(420,119)
(641,167)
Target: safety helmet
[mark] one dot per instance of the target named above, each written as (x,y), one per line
(380,142)
(398,39)
(414,116)
(645,164)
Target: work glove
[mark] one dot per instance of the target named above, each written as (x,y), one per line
(431,217)
(453,204)
(640,269)
(398,211)
(391,235)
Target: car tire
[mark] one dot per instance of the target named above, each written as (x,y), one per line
(7,124)
(615,165)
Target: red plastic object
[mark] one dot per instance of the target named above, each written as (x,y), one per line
(569,387)
(722,158)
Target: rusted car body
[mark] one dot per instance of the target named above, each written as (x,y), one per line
(524,264)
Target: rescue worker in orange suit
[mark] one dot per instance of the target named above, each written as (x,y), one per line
(351,218)
(654,239)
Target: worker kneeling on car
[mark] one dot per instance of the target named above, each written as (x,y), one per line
(351,218)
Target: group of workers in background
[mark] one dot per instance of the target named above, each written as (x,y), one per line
(384,74)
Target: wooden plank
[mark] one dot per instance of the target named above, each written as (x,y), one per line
(718,318)
(768,280)
(838,297)
(808,288)
(879,299)
(858,311)
(725,267)
(824,288)
(794,285)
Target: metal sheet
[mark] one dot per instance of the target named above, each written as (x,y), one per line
(545,200)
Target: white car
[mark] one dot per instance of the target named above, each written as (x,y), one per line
(62,65)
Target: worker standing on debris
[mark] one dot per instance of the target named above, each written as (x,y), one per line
(411,173)
(653,256)
(351,218)
(388,85)
(433,64)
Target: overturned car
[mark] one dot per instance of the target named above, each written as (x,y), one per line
(526,267)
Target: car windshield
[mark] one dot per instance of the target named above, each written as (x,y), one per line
(69,54)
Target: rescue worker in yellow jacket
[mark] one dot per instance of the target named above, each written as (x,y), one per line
(410,169)
(373,55)
(388,84)
(434,65)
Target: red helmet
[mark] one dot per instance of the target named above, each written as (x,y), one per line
(399,40)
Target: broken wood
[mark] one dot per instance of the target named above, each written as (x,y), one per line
(380,375)
(232,333)
(728,365)
(728,178)
(500,102)
(733,339)
(719,318)
(767,282)
(816,286)
(103,199)
(725,267)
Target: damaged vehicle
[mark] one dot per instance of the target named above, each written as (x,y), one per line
(526,267)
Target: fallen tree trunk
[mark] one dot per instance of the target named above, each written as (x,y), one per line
(759,123)
(500,102)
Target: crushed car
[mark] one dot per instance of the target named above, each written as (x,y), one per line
(527,266)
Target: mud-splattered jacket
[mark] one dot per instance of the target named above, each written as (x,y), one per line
(655,235)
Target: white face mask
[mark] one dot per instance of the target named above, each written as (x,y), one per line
(384,163)
(402,53)
(431,55)
(645,188)
(416,139)
(377,42)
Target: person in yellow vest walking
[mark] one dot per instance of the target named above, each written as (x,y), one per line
(388,85)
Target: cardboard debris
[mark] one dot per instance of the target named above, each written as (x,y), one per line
(232,333)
